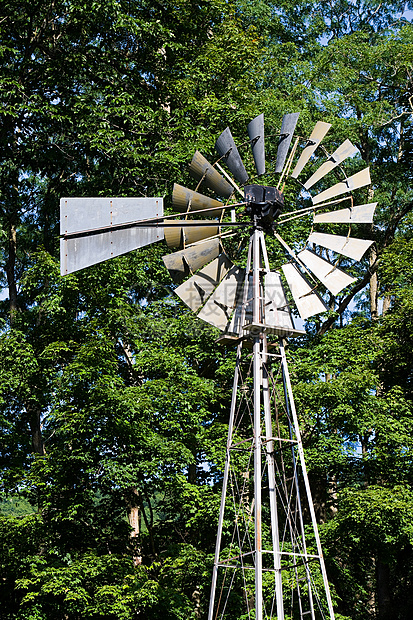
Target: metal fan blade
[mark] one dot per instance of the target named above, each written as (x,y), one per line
(87,214)
(177,236)
(227,149)
(200,168)
(182,197)
(235,326)
(195,291)
(256,135)
(347,149)
(360,179)
(220,305)
(276,309)
(286,134)
(353,248)
(317,135)
(308,303)
(362,214)
(333,278)
(181,263)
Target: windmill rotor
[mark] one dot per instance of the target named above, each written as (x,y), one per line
(247,303)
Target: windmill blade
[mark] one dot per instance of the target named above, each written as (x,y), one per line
(332,277)
(345,150)
(227,149)
(200,168)
(195,291)
(235,326)
(286,134)
(362,214)
(79,215)
(178,236)
(314,140)
(183,197)
(180,264)
(276,309)
(353,248)
(308,303)
(220,305)
(256,135)
(360,179)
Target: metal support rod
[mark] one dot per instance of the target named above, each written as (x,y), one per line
(257,425)
(229,442)
(305,477)
(272,487)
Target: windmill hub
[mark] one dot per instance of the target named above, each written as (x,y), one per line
(264,204)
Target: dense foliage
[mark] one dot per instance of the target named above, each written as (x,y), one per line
(113,398)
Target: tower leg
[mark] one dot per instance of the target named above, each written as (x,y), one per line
(265,568)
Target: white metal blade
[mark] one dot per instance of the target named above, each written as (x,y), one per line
(347,149)
(235,326)
(362,214)
(218,309)
(360,179)
(195,291)
(179,264)
(83,214)
(308,303)
(353,248)
(317,135)
(332,277)
(200,168)
(276,309)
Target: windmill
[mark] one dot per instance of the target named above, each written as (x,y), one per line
(269,563)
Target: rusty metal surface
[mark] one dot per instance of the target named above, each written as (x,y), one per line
(227,149)
(308,303)
(314,140)
(256,135)
(286,134)
(360,179)
(349,246)
(361,214)
(345,150)
(200,168)
(332,277)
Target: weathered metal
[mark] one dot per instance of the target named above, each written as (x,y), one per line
(347,149)
(82,214)
(195,291)
(318,133)
(353,248)
(256,136)
(308,303)
(332,277)
(202,170)
(180,264)
(360,179)
(227,150)
(286,134)
(361,214)
(184,199)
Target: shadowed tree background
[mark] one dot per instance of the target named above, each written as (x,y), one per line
(113,398)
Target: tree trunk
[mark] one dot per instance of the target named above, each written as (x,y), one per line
(34,414)
(134,519)
(383,590)
(10,271)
